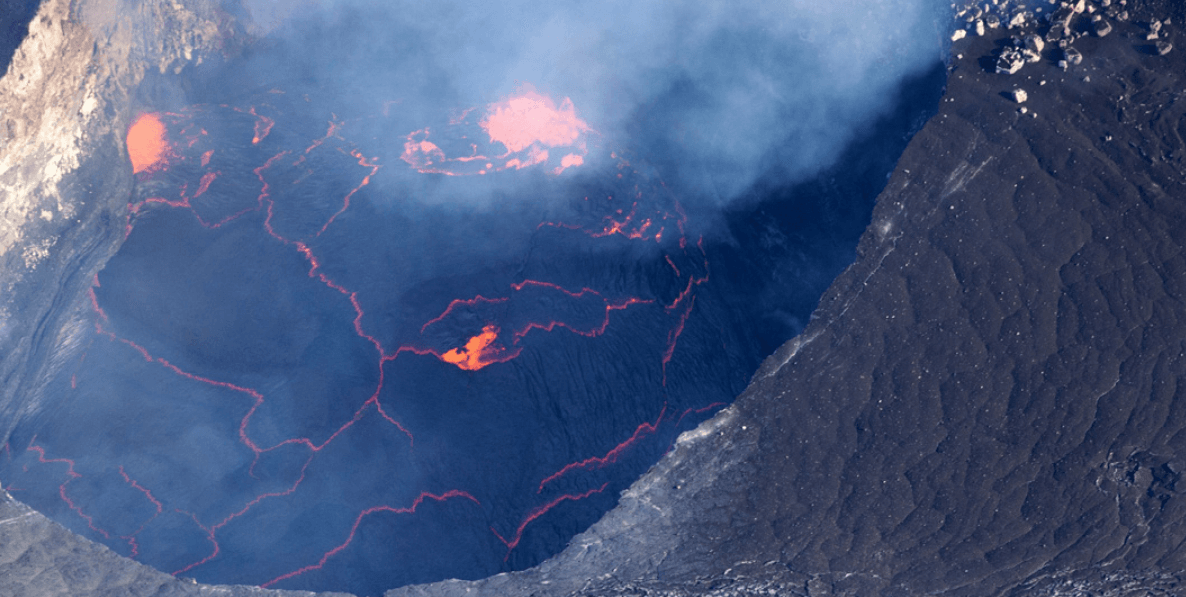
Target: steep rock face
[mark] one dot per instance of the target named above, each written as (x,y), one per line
(986,402)
(65,103)
(73,86)
(14,26)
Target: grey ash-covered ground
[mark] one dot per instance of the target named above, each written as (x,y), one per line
(989,401)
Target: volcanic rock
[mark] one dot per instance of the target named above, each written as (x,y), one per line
(986,402)
(1021,19)
(1033,42)
(14,25)
(1072,56)
(1019,95)
(1101,28)
(1163,47)
(1033,226)
(1060,23)
(1010,61)
(72,88)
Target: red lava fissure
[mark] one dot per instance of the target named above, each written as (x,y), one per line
(518,123)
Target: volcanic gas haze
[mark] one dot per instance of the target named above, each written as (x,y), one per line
(394,374)
(715,93)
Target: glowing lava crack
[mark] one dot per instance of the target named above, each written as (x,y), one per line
(279,466)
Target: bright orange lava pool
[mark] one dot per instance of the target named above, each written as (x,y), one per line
(146,142)
(477,352)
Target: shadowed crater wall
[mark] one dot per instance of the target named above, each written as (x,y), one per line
(383,391)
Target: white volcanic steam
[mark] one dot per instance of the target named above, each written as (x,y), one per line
(715,93)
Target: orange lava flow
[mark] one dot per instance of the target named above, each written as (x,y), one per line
(529,118)
(476,353)
(147,146)
(527,125)
(263,126)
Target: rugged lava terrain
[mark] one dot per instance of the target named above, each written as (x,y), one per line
(987,402)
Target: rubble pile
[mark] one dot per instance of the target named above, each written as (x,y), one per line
(980,17)
(1039,29)
(1049,26)
(1156,32)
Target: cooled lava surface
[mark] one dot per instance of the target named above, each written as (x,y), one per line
(299,374)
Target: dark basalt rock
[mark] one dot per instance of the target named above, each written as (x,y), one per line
(988,401)
(1010,61)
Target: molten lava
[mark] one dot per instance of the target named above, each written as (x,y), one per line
(526,125)
(146,143)
(308,199)
(530,118)
(477,352)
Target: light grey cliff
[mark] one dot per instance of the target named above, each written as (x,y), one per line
(65,102)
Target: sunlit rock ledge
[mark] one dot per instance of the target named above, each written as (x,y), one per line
(65,102)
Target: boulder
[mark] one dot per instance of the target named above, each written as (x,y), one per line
(1060,23)
(1010,62)
(1033,43)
